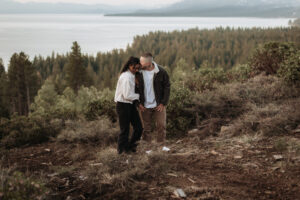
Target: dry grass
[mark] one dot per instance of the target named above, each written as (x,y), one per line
(263,104)
(115,174)
(269,120)
(101,131)
(16,185)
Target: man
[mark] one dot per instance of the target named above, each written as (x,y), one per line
(154,88)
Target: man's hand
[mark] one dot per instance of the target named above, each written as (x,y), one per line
(160,108)
(142,108)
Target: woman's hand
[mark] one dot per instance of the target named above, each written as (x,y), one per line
(142,108)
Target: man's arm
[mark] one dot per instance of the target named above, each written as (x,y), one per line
(167,86)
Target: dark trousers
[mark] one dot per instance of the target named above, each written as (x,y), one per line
(128,114)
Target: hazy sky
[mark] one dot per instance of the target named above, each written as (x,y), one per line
(152,3)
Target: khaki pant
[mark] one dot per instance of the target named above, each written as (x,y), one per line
(149,116)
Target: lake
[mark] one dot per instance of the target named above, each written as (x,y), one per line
(41,34)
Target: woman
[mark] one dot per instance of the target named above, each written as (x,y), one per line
(127,101)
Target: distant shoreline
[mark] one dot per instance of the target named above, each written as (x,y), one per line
(157,16)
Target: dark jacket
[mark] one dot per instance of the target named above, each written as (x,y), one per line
(161,84)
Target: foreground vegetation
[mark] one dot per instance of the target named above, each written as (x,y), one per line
(233,133)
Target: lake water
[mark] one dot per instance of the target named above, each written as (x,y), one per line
(41,34)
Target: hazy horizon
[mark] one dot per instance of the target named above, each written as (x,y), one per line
(44,34)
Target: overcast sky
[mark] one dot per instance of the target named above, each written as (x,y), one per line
(152,3)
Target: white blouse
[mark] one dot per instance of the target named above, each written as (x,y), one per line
(125,91)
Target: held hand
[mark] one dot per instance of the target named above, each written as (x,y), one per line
(142,108)
(160,108)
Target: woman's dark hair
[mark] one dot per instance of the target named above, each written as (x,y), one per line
(131,61)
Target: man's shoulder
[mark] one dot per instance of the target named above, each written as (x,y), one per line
(162,69)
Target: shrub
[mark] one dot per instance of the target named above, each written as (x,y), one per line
(45,101)
(104,106)
(48,104)
(21,130)
(15,185)
(239,73)
(198,80)
(205,78)
(244,104)
(223,102)
(289,70)
(179,119)
(268,57)
(262,89)
(270,120)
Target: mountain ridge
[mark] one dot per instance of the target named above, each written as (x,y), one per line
(230,8)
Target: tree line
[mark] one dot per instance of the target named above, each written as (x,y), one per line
(217,48)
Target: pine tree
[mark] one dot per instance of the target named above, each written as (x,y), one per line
(76,74)
(23,83)
(4,112)
(92,76)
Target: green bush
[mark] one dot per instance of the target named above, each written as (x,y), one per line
(48,104)
(268,57)
(21,130)
(289,70)
(239,73)
(104,106)
(179,118)
(198,80)
(15,185)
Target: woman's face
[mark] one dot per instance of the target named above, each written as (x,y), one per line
(134,68)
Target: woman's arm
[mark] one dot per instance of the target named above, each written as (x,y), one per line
(128,90)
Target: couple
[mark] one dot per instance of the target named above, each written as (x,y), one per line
(142,85)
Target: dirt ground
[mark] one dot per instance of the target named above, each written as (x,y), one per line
(245,167)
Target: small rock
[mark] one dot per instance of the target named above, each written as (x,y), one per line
(238,157)
(179,141)
(48,150)
(192,180)
(69,198)
(54,174)
(193,131)
(253,165)
(166,149)
(213,152)
(278,157)
(179,193)
(149,152)
(268,192)
(171,174)
(82,178)
(68,163)
(224,130)
(296,131)
(96,164)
